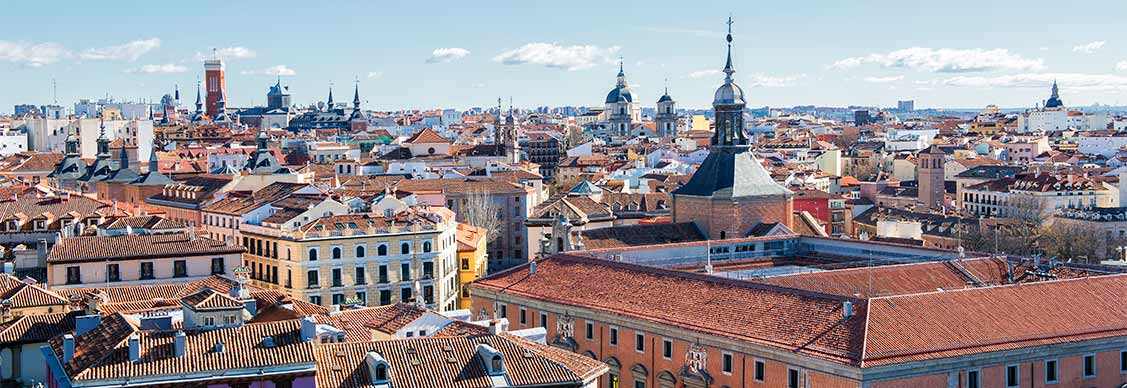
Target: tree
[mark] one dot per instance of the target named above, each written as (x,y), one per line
(479,210)
(1067,240)
(1019,230)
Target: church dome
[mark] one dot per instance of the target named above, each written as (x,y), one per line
(665,98)
(619,94)
(729,94)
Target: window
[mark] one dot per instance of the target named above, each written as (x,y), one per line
(504,311)
(217,266)
(209,321)
(972,379)
(428,294)
(426,247)
(229,319)
(792,378)
(465,264)
(74,275)
(146,270)
(179,269)
(113,273)
(523,316)
(666,349)
(338,299)
(614,336)
(404,271)
(385,297)
(726,365)
(383,273)
(544,320)
(428,269)
(760,370)
(590,332)
(405,295)
(360,279)
(315,299)
(404,248)
(313,254)
(381,250)
(311,277)
(1090,366)
(360,252)
(336,253)
(1013,378)
(1123,361)
(1050,371)
(337,279)
(639,342)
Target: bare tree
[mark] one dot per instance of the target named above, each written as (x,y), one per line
(1019,230)
(1068,240)
(479,210)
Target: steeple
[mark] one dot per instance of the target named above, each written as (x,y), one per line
(728,70)
(72,144)
(103,142)
(199,102)
(1054,100)
(122,158)
(621,74)
(176,94)
(728,105)
(356,96)
(329,103)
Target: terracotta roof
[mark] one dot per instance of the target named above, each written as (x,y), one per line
(358,324)
(24,295)
(427,135)
(452,362)
(208,299)
(468,237)
(30,329)
(806,322)
(98,248)
(953,323)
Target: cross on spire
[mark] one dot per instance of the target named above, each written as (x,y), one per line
(728,70)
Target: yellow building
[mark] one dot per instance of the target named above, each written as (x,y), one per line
(471,259)
(359,259)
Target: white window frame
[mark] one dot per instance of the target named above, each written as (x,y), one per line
(1056,365)
(733,363)
(1095,366)
(754,366)
(1006,376)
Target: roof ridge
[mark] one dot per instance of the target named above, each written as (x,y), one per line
(1042,283)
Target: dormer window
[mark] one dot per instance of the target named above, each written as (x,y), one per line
(495,363)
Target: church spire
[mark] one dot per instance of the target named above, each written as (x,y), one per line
(329,104)
(356,95)
(199,103)
(728,70)
(103,142)
(621,74)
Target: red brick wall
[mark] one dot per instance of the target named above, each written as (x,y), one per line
(735,219)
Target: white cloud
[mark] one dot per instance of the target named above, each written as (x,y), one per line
(767,81)
(1069,81)
(1121,66)
(553,55)
(234,52)
(32,54)
(272,70)
(167,68)
(1089,48)
(945,60)
(880,80)
(128,51)
(447,54)
(375,74)
(705,73)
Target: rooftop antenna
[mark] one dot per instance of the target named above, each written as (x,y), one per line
(55,91)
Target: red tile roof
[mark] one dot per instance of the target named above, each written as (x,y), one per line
(98,248)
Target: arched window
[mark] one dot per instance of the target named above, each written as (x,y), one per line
(313,254)
(381,250)
(360,251)
(404,248)
(336,253)
(426,246)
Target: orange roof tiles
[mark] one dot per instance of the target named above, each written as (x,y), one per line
(97,248)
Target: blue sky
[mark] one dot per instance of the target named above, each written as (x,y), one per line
(460,53)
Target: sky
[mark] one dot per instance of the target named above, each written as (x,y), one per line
(459,54)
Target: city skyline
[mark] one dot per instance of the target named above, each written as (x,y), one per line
(555,55)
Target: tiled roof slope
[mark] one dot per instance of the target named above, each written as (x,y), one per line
(451,362)
(795,320)
(23,295)
(945,324)
(97,248)
(36,328)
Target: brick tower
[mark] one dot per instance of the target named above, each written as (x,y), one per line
(215,83)
(929,174)
(731,192)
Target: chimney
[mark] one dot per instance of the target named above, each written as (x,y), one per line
(135,347)
(68,348)
(84,323)
(308,329)
(532,267)
(179,343)
(846,309)
(495,326)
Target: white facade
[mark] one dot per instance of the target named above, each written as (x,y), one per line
(12,143)
(1100,145)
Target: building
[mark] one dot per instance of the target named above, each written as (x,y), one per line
(1052,116)
(906,106)
(404,255)
(215,79)
(1036,195)
(35,222)
(86,261)
(666,117)
(184,200)
(731,180)
(472,264)
(544,149)
(620,110)
(930,173)
(886,326)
